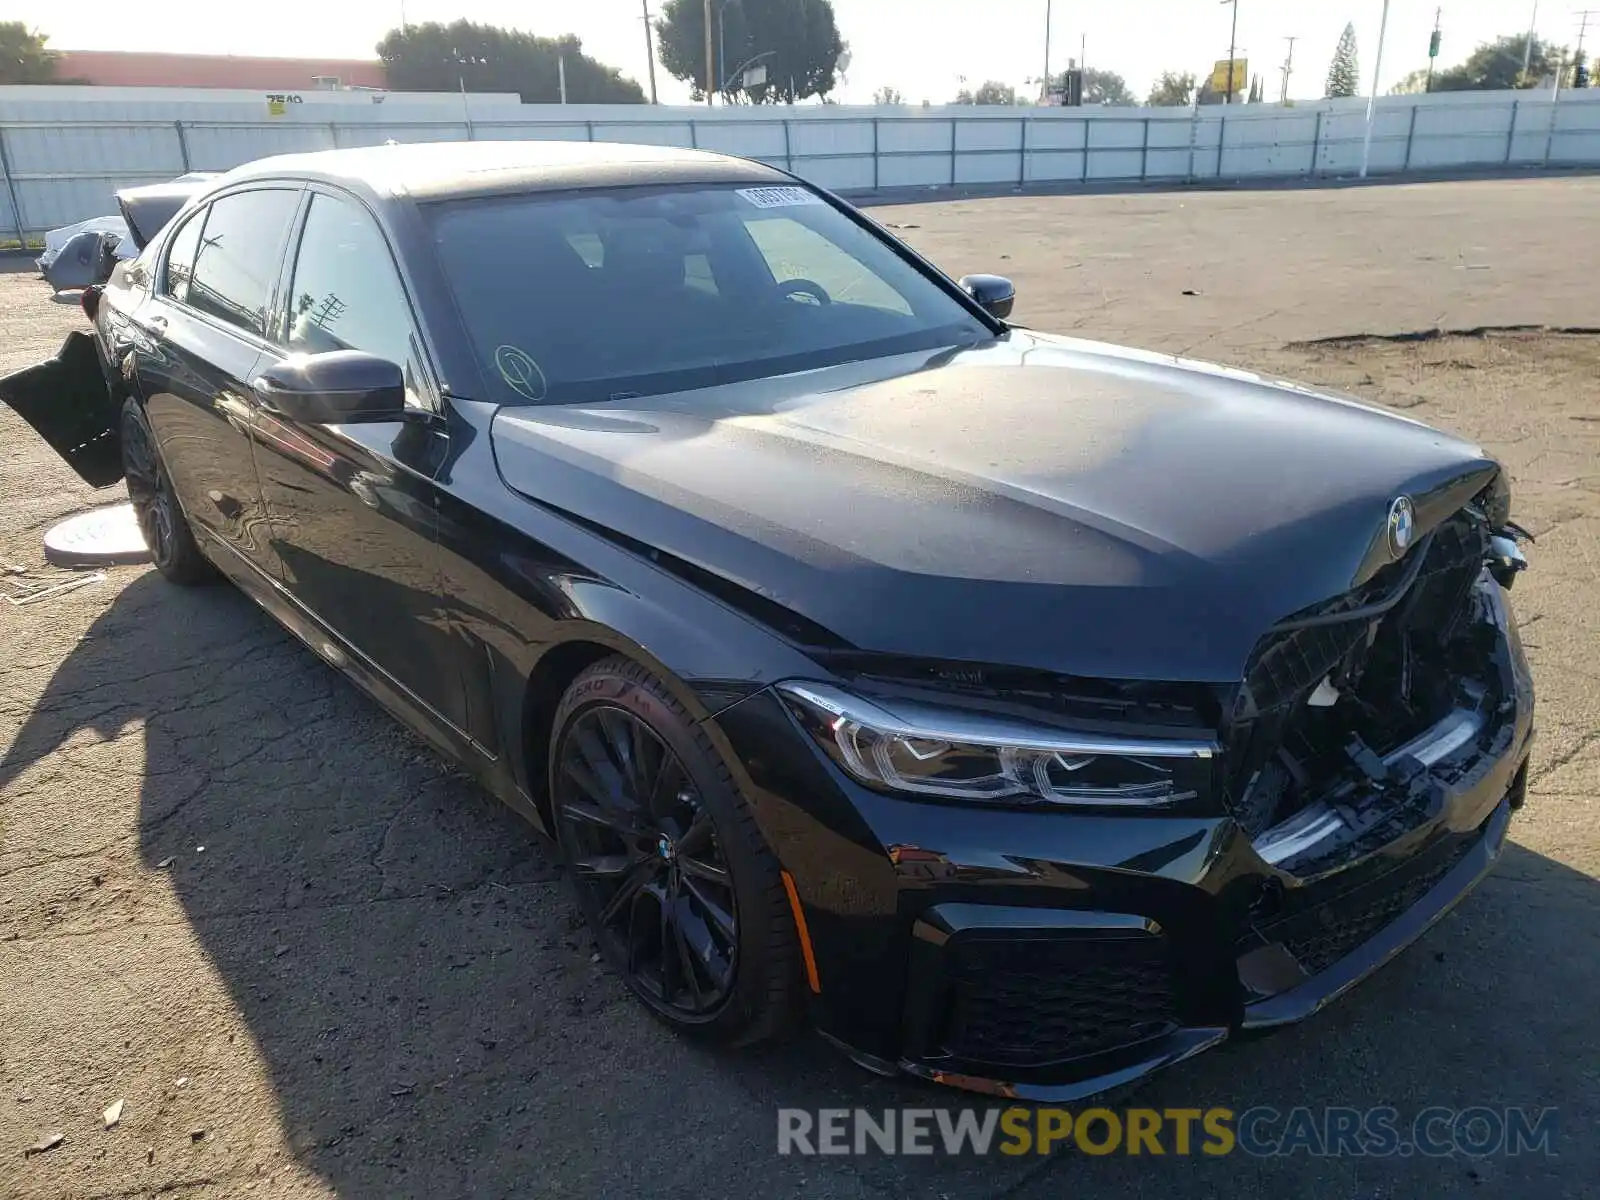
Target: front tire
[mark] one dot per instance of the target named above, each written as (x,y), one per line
(681,892)
(155,503)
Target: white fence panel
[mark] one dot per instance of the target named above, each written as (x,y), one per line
(219,147)
(988,135)
(917,133)
(813,138)
(1057,133)
(914,170)
(746,139)
(516,131)
(1055,166)
(53,149)
(65,150)
(989,167)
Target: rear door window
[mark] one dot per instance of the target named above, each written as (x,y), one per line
(180,258)
(240,251)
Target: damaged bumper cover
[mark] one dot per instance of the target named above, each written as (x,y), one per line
(1051,956)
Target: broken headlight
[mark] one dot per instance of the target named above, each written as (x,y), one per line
(920,749)
(1495,501)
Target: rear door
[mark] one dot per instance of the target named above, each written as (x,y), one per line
(204,332)
(353,506)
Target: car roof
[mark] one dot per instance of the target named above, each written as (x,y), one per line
(446,170)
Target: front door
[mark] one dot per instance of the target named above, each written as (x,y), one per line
(201,335)
(353,506)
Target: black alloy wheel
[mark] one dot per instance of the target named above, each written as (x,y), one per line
(155,505)
(642,842)
(682,894)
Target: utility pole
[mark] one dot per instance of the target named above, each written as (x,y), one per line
(1433,50)
(1045,94)
(1583,28)
(1527,47)
(711,84)
(1288,67)
(1372,96)
(722,45)
(1233,39)
(649,50)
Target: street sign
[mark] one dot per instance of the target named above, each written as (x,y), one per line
(1241,75)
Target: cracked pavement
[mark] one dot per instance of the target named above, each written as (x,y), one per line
(314,960)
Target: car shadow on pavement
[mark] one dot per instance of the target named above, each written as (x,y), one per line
(426,1003)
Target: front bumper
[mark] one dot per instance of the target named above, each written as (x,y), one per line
(1052,956)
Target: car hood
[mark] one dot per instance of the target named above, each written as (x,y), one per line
(1040,502)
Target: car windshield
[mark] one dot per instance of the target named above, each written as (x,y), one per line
(608,294)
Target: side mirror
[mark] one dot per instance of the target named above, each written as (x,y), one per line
(341,387)
(993,292)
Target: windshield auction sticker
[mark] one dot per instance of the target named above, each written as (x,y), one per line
(520,372)
(779,197)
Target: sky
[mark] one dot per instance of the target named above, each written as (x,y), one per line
(927,49)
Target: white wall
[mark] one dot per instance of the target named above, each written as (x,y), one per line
(67,149)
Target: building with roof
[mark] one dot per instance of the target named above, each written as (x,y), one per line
(127,68)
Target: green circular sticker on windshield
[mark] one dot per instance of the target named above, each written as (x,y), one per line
(520,371)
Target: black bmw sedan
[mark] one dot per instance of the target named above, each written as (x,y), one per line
(1022,712)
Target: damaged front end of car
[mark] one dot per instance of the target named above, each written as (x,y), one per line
(1350,789)
(1357,717)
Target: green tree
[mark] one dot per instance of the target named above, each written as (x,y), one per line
(991,91)
(1580,70)
(1497,65)
(485,58)
(23,57)
(888,95)
(1344,72)
(1412,85)
(1100,87)
(797,41)
(1174,89)
(1106,87)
